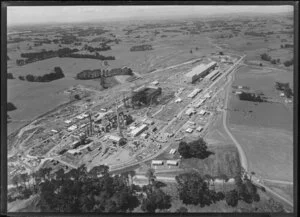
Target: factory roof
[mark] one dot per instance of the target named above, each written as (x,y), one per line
(73,127)
(114,138)
(157,162)
(210,75)
(178,100)
(172,162)
(143,87)
(199,69)
(189,130)
(138,129)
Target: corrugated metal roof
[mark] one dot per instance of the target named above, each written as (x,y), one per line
(199,69)
(210,75)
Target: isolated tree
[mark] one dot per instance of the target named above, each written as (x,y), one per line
(191,51)
(261,64)
(221,53)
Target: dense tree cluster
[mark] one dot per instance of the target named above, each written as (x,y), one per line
(285,87)
(155,199)
(78,190)
(89,56)
(89,74)
(252,97)
(141,47)
(36,56)
(196,149)
(102,47)
(193,189)
(245,190)
(57,74)
(11,106)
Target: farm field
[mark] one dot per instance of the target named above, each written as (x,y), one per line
(265,130)
(269,151)
(33,98)
(265,114)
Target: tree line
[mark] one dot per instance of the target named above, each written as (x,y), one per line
(102,47)
(36,56)
(141,47)
(89,56)
(97,73)
(252,97)
(267,57)
(57,74)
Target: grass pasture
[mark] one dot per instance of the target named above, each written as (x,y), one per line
(269,151)
(266,114)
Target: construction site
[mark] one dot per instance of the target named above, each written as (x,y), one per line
(126,126)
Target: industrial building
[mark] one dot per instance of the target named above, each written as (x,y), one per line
(190,111)
(114,138)
(137,131)
(211,75)
(172,162)
(199,103)
(194,93)
(178,100)
(199,71)
(145,94)
(157,162)
(73,127)
(189,130)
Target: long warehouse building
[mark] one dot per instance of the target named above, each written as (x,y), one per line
(199,71)
(212,74)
